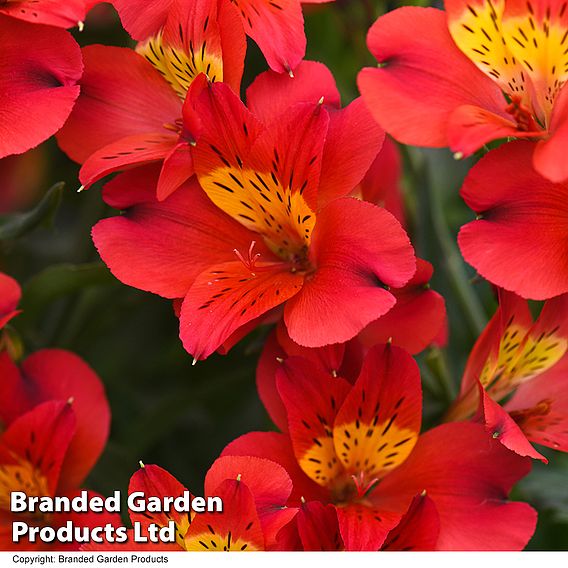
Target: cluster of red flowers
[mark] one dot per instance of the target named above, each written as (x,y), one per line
(285,209)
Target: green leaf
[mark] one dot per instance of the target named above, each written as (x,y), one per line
(61,280)
(545,487)
(15,226)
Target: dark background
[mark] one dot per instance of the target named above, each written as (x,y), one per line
(164,410)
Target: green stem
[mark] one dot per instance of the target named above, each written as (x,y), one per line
(470,304)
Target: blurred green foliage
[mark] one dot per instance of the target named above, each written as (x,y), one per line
(164,410)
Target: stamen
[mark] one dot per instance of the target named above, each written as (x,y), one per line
(250,261)
(362,486)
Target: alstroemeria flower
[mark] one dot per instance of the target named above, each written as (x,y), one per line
(63,14)
(54,423)
(254,492)
(40,67)
(417,320)
(519,240)
(268,225)
(517,375)
(277,26)
(358,447)
(484,70)
(132,102)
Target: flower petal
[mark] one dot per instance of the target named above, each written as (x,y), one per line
(418,529)
(379,421)
(473,508)
(163,246)
(51,12)
(268,483)
(121,86)
(413,92)
(352,144)
(153,481)
(312,398)
(38,83)
(226,296)
(520,241)
(10,294)
(236,528)
(417,318)
(278,29)
(271,94)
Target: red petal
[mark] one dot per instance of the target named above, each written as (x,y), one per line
(417,318)
(520,243)
(365,528)
(268,483)
(278,29)
(379,422)
(136,150)
(418,529)
(266,369)
(39,438)
(318,527)
(10,294)
(153,481)
(53,374)
(227,296)
(335,359)
(470,127)
(503,428)
(176,170)
(51,12)
(124,88)
(163,246)
(423,77)
(257,178)
(540,408)
(312,398)
(277,448)
(271,94)
(236,528)
(143,18)
(358,249)
(473,508)
(38,83)
(14,400)
(382,183)
(549,154)
(352,144)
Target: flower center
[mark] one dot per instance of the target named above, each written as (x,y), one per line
(522,115)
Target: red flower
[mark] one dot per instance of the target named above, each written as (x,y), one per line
(475,74)
(39,71)
(519,240)
(276,26)
(357,447)
(54,419)
(248,242)
(417,320)
(254,492)
(131,104)
(527,360)
(65,14)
